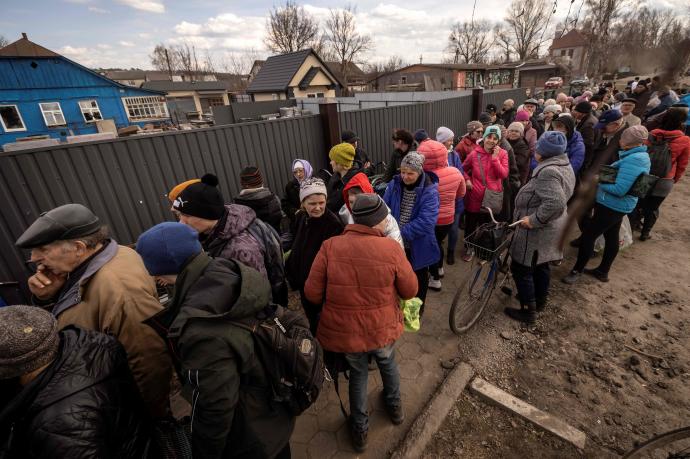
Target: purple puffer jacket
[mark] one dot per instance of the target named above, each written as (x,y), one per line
(231,239)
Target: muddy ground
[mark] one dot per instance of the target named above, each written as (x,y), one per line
(612,359)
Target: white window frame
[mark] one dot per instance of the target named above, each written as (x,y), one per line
(53,113)
(2,122)
(90,110)
(146,108)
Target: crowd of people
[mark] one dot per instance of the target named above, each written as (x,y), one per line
(88,369)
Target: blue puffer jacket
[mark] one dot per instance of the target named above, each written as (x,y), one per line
(418,234)
(576,151)
(631,164)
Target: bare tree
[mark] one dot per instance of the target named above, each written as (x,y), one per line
(165,59)
(347,44)
(470,42)
(600,16)
(3,41)
(239,62)
(527,22)
(503,43)
(290,28)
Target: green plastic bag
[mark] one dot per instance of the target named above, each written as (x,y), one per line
(410,309)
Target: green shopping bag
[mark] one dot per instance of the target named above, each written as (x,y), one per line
(410,309)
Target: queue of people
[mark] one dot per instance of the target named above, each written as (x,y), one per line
(102,334)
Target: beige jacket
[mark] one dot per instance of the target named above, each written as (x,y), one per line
(114,296)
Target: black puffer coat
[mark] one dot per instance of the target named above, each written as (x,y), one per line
(84,405)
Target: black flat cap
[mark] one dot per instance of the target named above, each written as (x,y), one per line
(65,222)
(349,136)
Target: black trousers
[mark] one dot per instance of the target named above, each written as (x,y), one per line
(422,282)
(441,233)
(605,221)
(646,212)
(532,283)
(312,311)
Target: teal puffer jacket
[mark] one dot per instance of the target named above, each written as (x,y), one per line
(631,164)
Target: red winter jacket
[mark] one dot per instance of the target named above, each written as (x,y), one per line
(451,183)
(359,277)
(495,170)
(679,144)
(465,146)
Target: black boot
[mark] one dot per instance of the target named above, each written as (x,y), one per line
(527,314)
(541,303)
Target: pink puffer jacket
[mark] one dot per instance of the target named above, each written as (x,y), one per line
(451,183)
(495,170)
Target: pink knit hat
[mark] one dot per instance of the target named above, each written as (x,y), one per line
(522,116)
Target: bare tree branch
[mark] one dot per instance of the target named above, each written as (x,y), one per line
(3,41)
(470,42)
(290,28)
(346,43)
(526,22)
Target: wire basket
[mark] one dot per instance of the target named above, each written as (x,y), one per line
(495,235)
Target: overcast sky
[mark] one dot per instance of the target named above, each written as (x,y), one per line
(122,33)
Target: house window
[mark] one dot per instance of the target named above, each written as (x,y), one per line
(311,96)
(215,101)
(403,80)
(90,111)
(570,52)
(145,108)
(11,119)
(562,52)
(52,114)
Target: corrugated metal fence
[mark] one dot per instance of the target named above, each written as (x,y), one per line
(125,181)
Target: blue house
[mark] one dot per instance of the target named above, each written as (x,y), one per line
(44,93)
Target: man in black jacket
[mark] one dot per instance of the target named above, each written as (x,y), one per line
(585,123)
(233,414)
(402,142)
(257,197)
(66,393)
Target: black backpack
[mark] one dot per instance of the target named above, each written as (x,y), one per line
(290,355)
(660,156)
(272,249)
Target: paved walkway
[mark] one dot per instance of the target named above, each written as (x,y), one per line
(321,432)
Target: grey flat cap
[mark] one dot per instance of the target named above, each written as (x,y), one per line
(531,101)
(65,222)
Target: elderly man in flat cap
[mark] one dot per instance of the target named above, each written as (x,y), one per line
(87,279)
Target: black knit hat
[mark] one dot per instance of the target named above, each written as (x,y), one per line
(201,199)
(250,177)
(583,107)
(369,209)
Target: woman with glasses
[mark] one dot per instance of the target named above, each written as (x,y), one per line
(516,139)
(468,142)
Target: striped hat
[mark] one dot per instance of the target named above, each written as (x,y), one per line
(250,177)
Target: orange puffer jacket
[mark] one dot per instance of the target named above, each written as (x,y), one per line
(359,277)
(451,183)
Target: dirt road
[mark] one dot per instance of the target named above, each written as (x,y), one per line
(610,359)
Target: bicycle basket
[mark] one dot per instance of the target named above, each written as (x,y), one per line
(488,240)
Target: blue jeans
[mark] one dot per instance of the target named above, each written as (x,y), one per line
(532,282)
(454,233)
(359,375)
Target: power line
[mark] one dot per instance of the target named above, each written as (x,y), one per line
(565,23)
(541,39)
(473,8)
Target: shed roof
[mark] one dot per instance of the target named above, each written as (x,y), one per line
(277,72)
(169,86)
(570,40)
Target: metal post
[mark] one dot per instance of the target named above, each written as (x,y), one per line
(330,123)
(477,102)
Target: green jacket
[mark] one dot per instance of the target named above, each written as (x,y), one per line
(232,412)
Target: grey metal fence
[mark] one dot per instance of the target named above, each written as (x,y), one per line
(125,181)
(241,111)
(497,96)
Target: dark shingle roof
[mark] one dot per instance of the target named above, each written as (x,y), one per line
(278,71)
(169,86)
(569,40)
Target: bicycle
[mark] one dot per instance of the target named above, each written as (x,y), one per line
(669,445)
(490,268)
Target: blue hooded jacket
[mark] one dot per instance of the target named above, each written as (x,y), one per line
(632,164)
(576,151)
(418,234)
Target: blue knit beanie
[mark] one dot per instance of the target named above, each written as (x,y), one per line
(420,135)
(551,143)
(166,247)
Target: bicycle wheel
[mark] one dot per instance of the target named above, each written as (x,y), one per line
(472,297)
(670,445)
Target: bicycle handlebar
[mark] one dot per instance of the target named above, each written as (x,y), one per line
(493,220)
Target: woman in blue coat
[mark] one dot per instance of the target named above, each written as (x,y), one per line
(413,199)
(612,204)
(576,146)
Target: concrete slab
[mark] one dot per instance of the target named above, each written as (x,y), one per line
(546,421)
(429,421)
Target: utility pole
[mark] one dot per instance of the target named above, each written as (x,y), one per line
(420,58)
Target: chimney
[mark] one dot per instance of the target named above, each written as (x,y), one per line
(24,36)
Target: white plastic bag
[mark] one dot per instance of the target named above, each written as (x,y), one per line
(625,238)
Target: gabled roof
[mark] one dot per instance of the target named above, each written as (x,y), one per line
(354,73)
(169,86)
(278,71)
(25,48)
(570,40)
